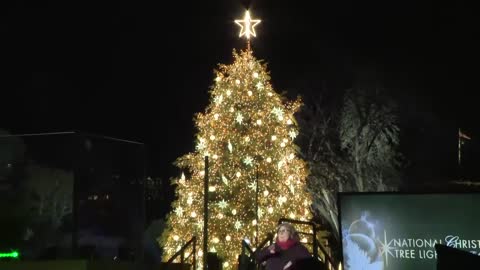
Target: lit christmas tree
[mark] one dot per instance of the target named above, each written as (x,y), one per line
(255,176)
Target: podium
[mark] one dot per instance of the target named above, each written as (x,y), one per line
(452,258)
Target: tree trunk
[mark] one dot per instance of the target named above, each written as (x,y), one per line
(358,169)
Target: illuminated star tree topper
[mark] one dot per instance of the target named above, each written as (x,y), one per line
(247,27)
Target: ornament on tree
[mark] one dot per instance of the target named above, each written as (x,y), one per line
(230,147)
(278,112)
(253,186)
(181,181)
(218,99)
(201,144)
(222,204)
(281,200)
(248,161)
(179,211)
(239,118)
(292,134)
(224,180)
(189,200)
(238,225)
(292,188)
(259,86)
(260,212)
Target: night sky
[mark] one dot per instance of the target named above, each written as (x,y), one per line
(139,70)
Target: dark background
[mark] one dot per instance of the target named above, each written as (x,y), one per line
(139,70)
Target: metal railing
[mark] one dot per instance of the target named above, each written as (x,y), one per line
(181,253)
(247,260)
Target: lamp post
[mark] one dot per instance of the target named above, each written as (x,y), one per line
(205,215)
(258,159)
(256,206)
